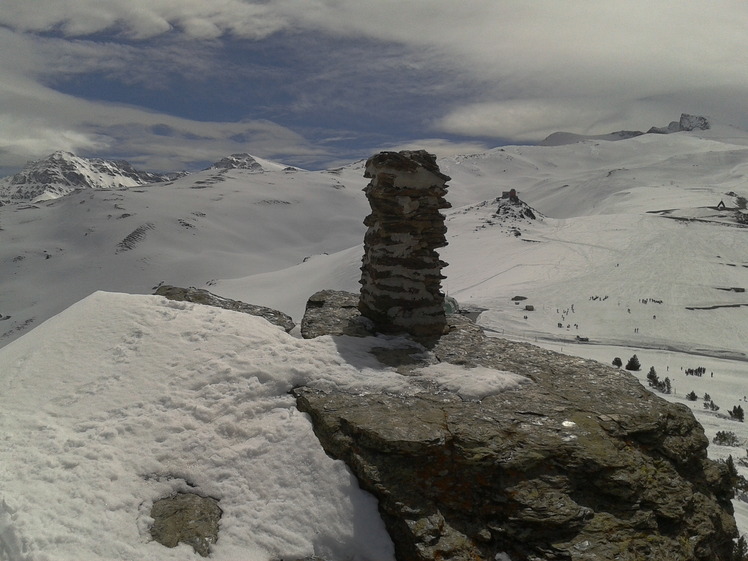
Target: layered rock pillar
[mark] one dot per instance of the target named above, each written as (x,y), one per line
(401,271)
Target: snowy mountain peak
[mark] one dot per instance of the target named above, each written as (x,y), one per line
(238,161)
(250,163)
(62,172)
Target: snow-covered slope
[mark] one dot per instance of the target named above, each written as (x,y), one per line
(62,172)
(122,400)
(219,223)
(625,244)
(630,249)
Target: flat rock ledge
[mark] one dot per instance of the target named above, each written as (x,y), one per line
(582,464)
(202,296)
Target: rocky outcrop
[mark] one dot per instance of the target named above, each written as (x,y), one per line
(186,518)
(239,161)
(334,312)
(581,464)
(401,270)
(686,123)
(201,296)
(251,164)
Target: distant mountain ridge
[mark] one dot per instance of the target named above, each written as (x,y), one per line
(62,172)
(686,123)
(250,163)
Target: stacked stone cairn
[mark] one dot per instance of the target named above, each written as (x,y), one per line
(401,271)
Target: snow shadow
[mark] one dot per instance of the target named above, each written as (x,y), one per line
(380,352)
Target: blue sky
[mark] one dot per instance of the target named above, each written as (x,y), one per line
(176,84)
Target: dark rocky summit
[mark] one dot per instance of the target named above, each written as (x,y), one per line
(201,296)
(401,271)
(581,464)
(238,161)
(686,123)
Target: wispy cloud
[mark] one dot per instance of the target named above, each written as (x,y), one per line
(380,73)
(143,19)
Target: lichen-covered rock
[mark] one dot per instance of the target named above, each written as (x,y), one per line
(186,518)
(581,464)
(201,296)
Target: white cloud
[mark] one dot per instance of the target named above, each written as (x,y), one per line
(512,70)
(530,120)
(35,119)
(535,67)
(42,120)
(141,19)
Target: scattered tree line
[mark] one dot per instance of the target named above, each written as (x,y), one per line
(654,381)
(737,413)
(726,438)
(709,403)
(665,386)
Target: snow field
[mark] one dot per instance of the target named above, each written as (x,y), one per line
(122,400)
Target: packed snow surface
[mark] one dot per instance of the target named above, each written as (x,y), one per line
(122,399)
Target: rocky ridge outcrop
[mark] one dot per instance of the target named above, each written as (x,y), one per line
(581,464)
(239,161)
(250,163)
(685,123)
(202,296)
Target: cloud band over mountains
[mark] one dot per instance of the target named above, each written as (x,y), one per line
(316,81)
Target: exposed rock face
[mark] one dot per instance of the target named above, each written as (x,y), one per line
(582,464)
(61,173)
(239,161)
(401,271)
(686,123)
(334,312)
(200,296)
(187,518)
(250,163)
